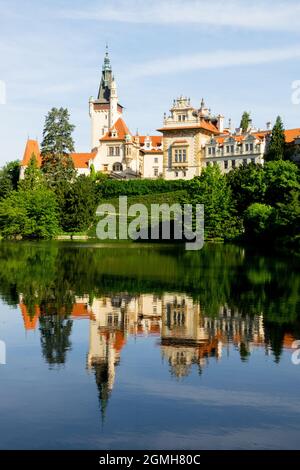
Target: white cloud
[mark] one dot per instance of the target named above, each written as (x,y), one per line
(261,14)
(217,397)
(215,59)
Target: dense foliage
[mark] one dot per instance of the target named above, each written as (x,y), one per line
(29,214)
(252,202)
(277,146)
(258,203)
(56,147)
(9,177)
(245,121)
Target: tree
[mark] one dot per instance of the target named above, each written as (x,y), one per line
(79,205)
(212,190)
(29,214)
(247,183)
(9,177)
(55,338)
(281,177)
(257,220)
(56,147)
(245,121)
(33,177)
(277,146)
(287,217)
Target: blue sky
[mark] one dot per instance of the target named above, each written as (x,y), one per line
(238,55)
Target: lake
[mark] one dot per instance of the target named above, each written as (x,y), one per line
(132,346)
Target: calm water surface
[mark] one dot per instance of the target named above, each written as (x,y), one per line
(152,347)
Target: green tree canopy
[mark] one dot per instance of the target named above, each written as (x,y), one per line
(287,218)
(277,147)
(258,220)
(33,177)
(29,214)
(245,121)
(80,204)
(56,147)
(281,177)
(9,177)
(247,183)
(212,190)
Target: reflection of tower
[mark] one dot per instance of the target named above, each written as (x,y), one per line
(106,341)
(184,340)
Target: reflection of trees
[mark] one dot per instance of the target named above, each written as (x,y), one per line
(55,338)
(244,351)
(51,275)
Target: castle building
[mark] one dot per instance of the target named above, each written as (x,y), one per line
(191,139)
(119,153)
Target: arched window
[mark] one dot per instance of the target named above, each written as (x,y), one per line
(117,167)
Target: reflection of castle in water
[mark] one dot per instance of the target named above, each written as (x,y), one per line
(184,339)
(107,337)
(188,337)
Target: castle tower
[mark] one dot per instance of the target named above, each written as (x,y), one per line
(105,110)
(113,114)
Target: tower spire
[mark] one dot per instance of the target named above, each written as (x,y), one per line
(106,64)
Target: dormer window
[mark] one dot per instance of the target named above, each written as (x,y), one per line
(114,133)
(181,117)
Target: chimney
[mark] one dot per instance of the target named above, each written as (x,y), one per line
(268,126)
(221,123)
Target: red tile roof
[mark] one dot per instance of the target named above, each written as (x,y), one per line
(81,160)
(261,134)
(291,135)
(208,126)
(121,129)
(32,147)
(239,138)
(155,139)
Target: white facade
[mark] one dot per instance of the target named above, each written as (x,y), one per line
(232,151)
(152,165)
